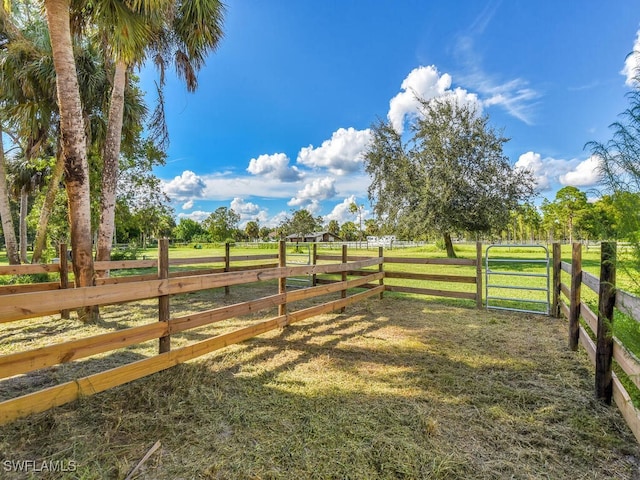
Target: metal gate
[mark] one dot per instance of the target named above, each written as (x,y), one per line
(506,276)
(300,256)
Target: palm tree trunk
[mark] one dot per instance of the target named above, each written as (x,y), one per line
(73,146)
(449,245)
(5,212)
(24,206)
(47,208)
(110,165)
(570,229)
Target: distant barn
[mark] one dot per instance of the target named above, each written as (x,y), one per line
(313,237)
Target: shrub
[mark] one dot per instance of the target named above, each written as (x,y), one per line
(124,253)
(28,278)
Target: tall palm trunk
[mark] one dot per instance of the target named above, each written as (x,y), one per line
(73,147)
(110,164)
(47,208)
(24,206)
(5,212)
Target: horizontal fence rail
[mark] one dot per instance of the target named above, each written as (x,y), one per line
(351,278)
(30,305)
(29,302)
(595,333)
(476,279)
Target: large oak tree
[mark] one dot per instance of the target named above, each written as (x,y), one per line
(448,175)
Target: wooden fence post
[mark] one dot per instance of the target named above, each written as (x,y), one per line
(282,281)
(314,261)
(574,301)
(163,300)
(381,268)
(227,264)
(479,275)
(557,271)
(606,302)
(343,293)
(64,274)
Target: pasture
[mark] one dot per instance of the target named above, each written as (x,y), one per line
(403,387)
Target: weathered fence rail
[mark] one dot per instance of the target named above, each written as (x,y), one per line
(476,279)
(598,340)
(37,300)
(331,274)
(29,305)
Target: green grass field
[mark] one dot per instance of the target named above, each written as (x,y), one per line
(407,387)
(393,388)
(625,328)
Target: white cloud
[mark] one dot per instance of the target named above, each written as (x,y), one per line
(342,213)
(239,206)
(585,174)
(423,83)
(314,207)
(514,96)
(188,205)
(355,184)
(277,219)
(248,211)
(312,193)
(185,187)
(274,166)
(342,154)
(198,215)
(632,63)
(545,170)
(224,187)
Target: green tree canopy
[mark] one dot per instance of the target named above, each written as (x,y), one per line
(252,229)
(264,233)
(349,231)
(301,222)
(222,224)
(187,229)
(333,227)
(450,176)
(571,206)
(371,227)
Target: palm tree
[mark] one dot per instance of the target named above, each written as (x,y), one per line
(74,147)
(28,78)
(8,32)
(47,208)
(5,212)
(182,31)
(25,179)
(357,210)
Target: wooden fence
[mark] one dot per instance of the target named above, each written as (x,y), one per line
(22,302)
(330,274)
(32,304)
(605,348)
(476,279)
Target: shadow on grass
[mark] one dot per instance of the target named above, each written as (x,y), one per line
(48,377)
(391,389)
(29,333)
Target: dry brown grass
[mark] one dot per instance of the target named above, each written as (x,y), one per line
(398,388)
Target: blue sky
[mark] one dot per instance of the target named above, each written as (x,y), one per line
(282,111)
